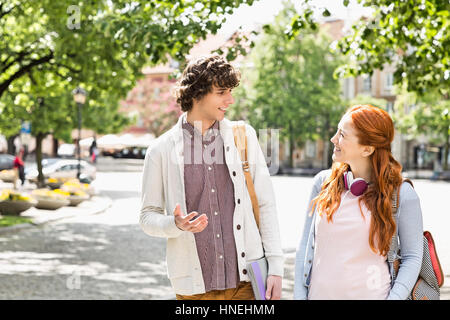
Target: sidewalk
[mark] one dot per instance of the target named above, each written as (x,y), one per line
(96,204)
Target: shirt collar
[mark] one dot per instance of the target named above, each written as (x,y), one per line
(192,130)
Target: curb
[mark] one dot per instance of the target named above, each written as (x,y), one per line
(38,221)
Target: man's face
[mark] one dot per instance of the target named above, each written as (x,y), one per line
(213,105)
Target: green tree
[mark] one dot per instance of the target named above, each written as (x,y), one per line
(101,45)
(425,114)
(411,35)
(74,40)
(291,86)
(50,109)
(48,48)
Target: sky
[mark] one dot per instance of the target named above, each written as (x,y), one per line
(264,11)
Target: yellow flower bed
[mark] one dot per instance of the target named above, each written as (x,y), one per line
(12,195)
(76,188)
(56,180)
(52,194)
(78,193)
(75,183)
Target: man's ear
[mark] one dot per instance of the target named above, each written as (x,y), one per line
(368,150)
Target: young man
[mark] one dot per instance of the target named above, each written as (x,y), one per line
(194,194)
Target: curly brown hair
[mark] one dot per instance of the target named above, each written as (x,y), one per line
(199,77)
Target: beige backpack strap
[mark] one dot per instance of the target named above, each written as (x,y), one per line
(240,138)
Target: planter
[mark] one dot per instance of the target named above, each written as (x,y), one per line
(49,203)
(8,207)
(73,186)
(76,200)
(8,175)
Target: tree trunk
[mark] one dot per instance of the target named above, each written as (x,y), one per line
(55,147)
(39,138)
(447,146)
(330,153)
(11,146)
(328,146)
(291,146)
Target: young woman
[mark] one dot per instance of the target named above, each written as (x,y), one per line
(349,223)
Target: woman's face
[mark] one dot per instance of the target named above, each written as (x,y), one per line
(346,146)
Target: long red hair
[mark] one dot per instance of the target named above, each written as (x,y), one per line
(375,128)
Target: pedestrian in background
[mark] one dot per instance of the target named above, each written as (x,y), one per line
(93,151)
(19,166)
(349,223)
(194,194)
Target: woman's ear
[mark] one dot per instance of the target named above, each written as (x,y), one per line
(368,150)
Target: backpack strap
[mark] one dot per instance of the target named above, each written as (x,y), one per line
(240,139)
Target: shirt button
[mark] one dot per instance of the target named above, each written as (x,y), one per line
(204,146)
(239,201)
(212,190)
(216,213)
(243,254)
(218,235)
(244,271)
(234,173)
(209,168)
(228,148)
(306,275)
(309,261)
(220,257)
(238,227)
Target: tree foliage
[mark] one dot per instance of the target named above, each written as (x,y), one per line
(428,114)
(100,45)
(411,35)
(291,85)
(47,48)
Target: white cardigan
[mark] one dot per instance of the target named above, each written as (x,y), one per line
(163,188)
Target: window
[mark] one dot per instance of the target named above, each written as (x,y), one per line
(390,106)
(389,81)
(367,84)
(156,92)
(349,88)
(310,149)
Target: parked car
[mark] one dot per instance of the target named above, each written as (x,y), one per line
(63,169)
(131,153)
(6,161)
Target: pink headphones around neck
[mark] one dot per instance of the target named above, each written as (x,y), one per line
(356,186)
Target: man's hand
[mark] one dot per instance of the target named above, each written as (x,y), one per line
(273,291)
(183,221)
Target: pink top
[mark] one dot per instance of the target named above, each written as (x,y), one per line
(345,267)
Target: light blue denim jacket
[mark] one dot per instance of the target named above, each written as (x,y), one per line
(410,232)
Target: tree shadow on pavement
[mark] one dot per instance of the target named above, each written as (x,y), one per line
(81,261)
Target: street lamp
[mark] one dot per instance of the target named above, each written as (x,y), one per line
(79,95)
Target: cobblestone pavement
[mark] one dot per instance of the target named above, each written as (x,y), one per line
(88,260)
(107,256)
